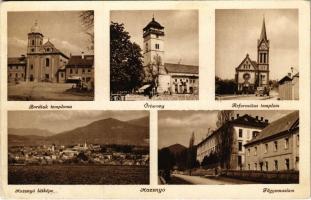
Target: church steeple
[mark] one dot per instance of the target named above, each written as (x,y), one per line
(263,35)
(263,45)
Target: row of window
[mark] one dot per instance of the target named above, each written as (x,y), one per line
(254,133)
(275,146)
(33,42)
(16,67)
(77,71)
(263,58)
(247,66)
(16,75)
(190,80)
(264,166)
(157,46)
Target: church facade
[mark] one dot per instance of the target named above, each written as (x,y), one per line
(43,60)
(251,74)
(173,78)
(45,63)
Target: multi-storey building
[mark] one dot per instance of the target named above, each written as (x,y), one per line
(276,147)
(79,67)
(242,129)
(17,68)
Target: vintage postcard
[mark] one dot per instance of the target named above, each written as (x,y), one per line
(155,100)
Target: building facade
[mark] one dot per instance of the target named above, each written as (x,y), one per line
(276,148)
(43,60)
(172,78)
(251,74)
(79,68)
(289,87)
(242,129)
(17,69)
(45,63)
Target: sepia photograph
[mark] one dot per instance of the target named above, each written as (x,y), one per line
(256,54)
(154,55)
(50,56)
(78,147)
(228,147)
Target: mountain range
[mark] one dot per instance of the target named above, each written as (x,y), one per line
(104,131)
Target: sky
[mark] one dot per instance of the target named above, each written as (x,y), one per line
(178,126)
(59,121)
(180,28)
(237,32)
(62,28)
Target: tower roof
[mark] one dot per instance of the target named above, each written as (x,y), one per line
(35,28)
(263,35)
(153,24)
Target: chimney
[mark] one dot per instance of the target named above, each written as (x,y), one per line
(261,119)
(82,55)
(266,121)
(257,117)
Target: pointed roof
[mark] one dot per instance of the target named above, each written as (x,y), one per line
(263,35)
(53,49)
(153,24)
(253,63)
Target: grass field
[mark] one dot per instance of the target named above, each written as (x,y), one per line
(43,91)
(78,174)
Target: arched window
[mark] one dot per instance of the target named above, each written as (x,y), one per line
(47,62)
(33,42)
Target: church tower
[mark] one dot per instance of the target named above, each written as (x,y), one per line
(153,49)
(35,39)
(263,45)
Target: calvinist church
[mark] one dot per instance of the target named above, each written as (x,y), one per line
(251,74)
(45,63)
(174,78)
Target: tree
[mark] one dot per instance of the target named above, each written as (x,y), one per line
(224,138)
(226,86)
(153,71)
(87,20)
(191,156)
(126,68)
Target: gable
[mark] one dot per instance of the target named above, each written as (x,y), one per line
(48,47)
(247,64)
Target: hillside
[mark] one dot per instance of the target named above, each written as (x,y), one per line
(29,131)
(105,131)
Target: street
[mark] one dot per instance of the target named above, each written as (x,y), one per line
(273,96)
(197,180)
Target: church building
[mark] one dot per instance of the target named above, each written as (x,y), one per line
(43,60)
(45,63)
(251,74)
(172,77)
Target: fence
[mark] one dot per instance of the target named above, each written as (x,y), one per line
(264,176)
